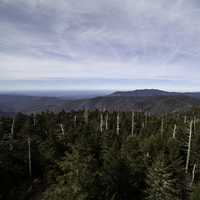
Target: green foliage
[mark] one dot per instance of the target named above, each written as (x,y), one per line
(161,183)
(85,163)
(196,193)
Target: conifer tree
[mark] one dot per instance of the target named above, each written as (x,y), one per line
(160,182)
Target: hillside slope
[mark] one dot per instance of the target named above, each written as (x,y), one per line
(154,104)
(155,101)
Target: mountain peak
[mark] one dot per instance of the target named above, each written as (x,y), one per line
(143,92)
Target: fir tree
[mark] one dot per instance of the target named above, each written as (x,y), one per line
(161,183)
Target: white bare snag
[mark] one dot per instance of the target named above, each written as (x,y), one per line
(118,119)
(86,116)
(185,119)
(101,122)
(29,156)
(62,129)
(106,122)
(174,131)
(193,174)
(12,134)
(189,148)
(75,120)
(132,123)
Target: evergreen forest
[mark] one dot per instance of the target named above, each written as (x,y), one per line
(100,155)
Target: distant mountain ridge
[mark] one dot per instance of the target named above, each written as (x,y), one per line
(154,92)
(145,93)
(154,104)
(27,104)
(151,100)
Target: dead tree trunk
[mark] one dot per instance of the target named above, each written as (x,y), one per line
(75,120)
(106,121)
(62,130)
(132,123)
(101,123)
(29,156)
(193,174)
(189,148)
(12,134)
(118,123)
(185,119)
(174,131)
(86,116)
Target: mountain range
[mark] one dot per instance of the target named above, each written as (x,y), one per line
(151,100)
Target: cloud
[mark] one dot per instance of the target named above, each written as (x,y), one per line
(42,39)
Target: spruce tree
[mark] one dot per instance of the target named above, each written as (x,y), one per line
(160,182)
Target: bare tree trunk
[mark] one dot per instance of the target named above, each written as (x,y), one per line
(86,116)
(143,124)
(174,131)
(118,123)
(101,123)
(75,120)
(29,156)
(189,148)
(62,129)
(12,134)
(193,174)
(106,122)
(132,123)
(185,119)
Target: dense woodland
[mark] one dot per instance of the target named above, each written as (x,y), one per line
(100,155)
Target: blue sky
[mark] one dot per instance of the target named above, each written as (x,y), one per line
(99,44)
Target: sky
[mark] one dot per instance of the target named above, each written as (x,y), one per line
(99,45)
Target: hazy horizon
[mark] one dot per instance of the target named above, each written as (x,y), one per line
(84,91)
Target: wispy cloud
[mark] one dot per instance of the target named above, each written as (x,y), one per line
(146,40)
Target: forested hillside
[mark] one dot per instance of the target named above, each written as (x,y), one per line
(148,100)
(98,155)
